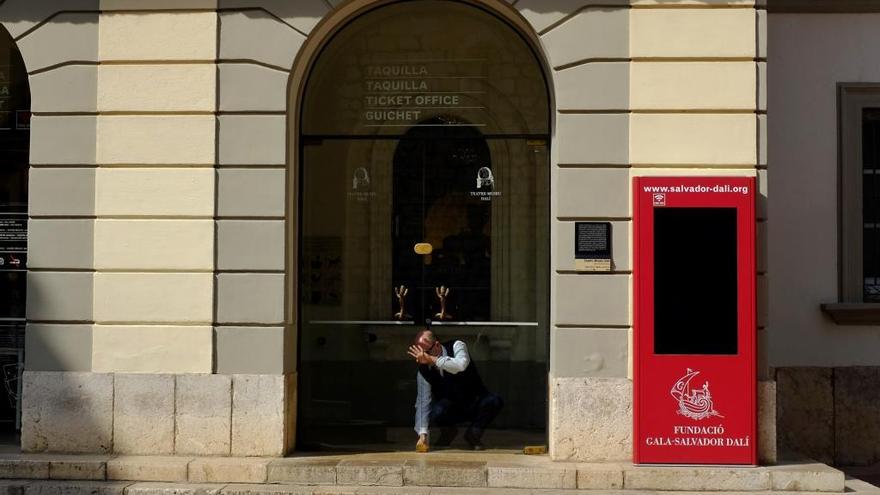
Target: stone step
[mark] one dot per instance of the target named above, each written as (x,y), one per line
(411,473)
(8,487)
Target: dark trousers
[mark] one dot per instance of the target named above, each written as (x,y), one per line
(479,412)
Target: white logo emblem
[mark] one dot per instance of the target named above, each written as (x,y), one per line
(485,178)
(694,404)
(659,199)
(361,179)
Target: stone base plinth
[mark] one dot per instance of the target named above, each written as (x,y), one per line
(591,419)
(150,414)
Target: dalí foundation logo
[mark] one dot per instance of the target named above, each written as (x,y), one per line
(694,404)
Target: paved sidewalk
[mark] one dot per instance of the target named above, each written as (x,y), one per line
(400,472)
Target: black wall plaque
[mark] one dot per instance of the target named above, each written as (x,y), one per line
(592,246)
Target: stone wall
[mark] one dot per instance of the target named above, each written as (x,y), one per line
(194,414)
(830,414)
(163,201)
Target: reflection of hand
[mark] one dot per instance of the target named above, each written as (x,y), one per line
(420,355)
(422,444)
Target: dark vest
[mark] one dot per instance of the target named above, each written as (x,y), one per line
(464,387)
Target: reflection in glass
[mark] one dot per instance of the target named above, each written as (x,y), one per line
(424,166)
(14,147)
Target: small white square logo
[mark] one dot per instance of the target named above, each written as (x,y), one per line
(659,199)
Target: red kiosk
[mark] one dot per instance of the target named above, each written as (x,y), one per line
(694,290)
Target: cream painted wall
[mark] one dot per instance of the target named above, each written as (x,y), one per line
(808,55)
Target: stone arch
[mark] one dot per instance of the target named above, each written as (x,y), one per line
(305,60)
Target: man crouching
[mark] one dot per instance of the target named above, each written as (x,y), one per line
(450,391)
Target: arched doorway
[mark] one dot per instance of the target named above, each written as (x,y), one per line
(424,180)
(15,104)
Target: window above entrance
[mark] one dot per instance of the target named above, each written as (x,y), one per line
(428,63)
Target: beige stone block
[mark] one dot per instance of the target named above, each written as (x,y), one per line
(520,475)
(250,245)
(59,296)
(20,17)
(75,488)
(695,479)
(805,402)
(61,191)
(304,471)
(593,86)
(153,297)
(158,4)
(593,139)
(23,467)
(693,85)
(542,14)
(250,298)
(58,347)
(620,246)
(593,33)
(249,350)
(143,414)
(302,15)
(203,415)
(600,476)
(763,142)
(369,473)
(228,470)
(67,412)
(158,488)
(592,299)
(148,468)
(253,192)
(78,467)
(767,422)
(693,139)
(132,36)
(589,352)
(80,83)
(152,349)
(156,139)
(592,193)
(252,139)
(157,88)
(761,197)
(701,3)
(806,477)
(856,415)
(601,406)
(154,244)
(692,33)
(449,473)
(248,489)
(63,140)
(155,191)
(762,86)
(251,87)
(258,36)
(258,409)
(71,36)
(65,244)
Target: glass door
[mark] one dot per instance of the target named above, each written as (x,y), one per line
(443,225)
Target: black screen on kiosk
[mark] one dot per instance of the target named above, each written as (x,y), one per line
(695,286)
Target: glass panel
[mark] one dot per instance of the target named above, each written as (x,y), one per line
(14,146)
(695,284)
(427,63)
(871,203)
(481,205)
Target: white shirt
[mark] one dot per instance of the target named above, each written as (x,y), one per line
(455,364)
